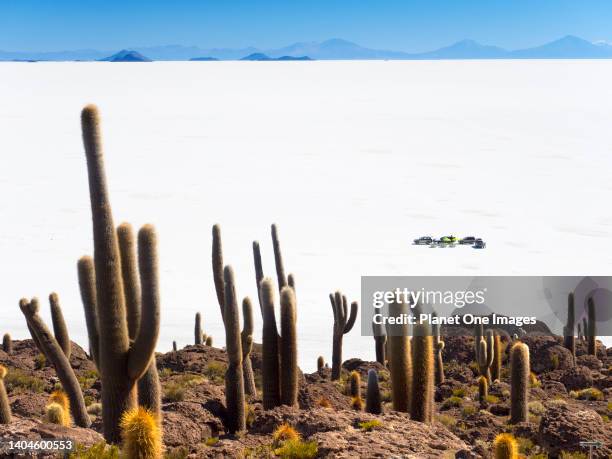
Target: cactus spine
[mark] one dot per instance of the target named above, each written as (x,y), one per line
(288,349)
(519,382)
(198,329)
(568,330)
(373,399)
(505,447)
(438,348)
(483,389)
(497,358)
(59,324)
(5,407)
(52,350)
(234,379)
(247,346)
(343,323)
(592,329)
(121,363)
(421,408)
(400,360)
(270,377)
(7,344)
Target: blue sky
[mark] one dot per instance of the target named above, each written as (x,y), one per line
(43,25)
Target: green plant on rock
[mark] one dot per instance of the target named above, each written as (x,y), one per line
(519,383)
(121,361)
(51,348)
(98,451)
(343,323)
(368,426)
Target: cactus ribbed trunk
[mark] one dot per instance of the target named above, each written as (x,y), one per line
(438,349)
(7,344)
(592,329)
(380,341)
(483,389)
(129,274)
(234,379)
(270,376)
(55,354)
(497,358)
(373,398)
(174,347)
(197,332)
(519,383)
(149,391)
(355,384)
(288,350)
(87,286)
(568,332)
(60,330)
(5,406)
(278,260)
(217,267)
(259,275)
(320,363)
(421,408)
(247,346)
(400,360)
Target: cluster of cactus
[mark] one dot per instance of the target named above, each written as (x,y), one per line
(343,323)
(373,398)
(519,382)
(141,435)
(568,329)
(122,315)
(5,407)
(51,349)
(279,352)
(487,351)
(58,409)
(7,343)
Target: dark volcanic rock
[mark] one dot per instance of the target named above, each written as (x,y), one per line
(577,378)
(547,354)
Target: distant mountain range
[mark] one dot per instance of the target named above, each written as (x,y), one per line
(265,57)
(126,56)
(569,47)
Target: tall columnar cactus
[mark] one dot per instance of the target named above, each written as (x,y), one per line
(421,407)
(485,353)
(288,348)
(247,346)
(234,379)
(497,358)
(380,342)
(438,345)
(592,329)
(320,363)
(519,382)
(373,398)
(60,330)
(7,344)
(87,286)
(483,389)
(5,406)
(270,374)
(578,331)
(259,275)
(278,259)
(400,360)
(217,267)
(568,330)
(121,363)
(53,351)
(585,329)
(198,329)
(174,347)
(343,323)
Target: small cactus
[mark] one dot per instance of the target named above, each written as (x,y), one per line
(60,397)
(320,363)
(5,406)
(141,434)
(198,329)
(7,344)
(234,379)
(400,360)
(483,389)
(343,323)
(380,342)
(585,329)
(288,348)
(59,324)
(592,329)
(209,341)
(568,330)
(505,446)
(355,384)
(54,414)
(519,383)
(357,403)
(373,398)
(174,348)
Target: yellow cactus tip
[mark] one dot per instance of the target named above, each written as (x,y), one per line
(141,434)
(505,447)
(61,398)
(55,414)
(357,403)
(3,371)
(284,433)
(90,112)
